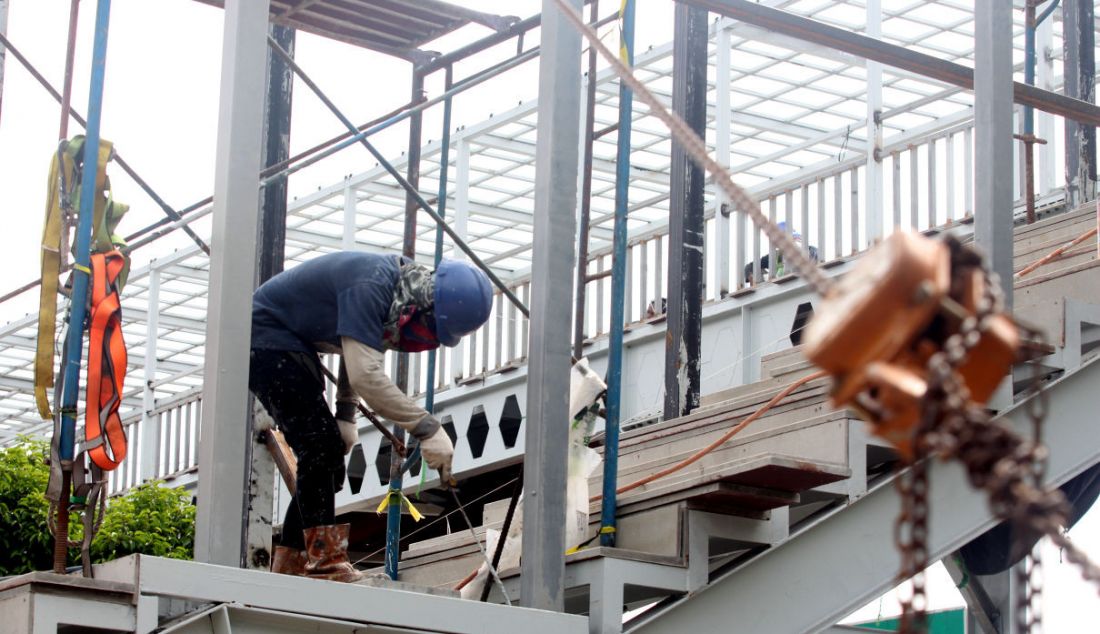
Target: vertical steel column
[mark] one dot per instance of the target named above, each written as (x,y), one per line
(685,226)
(542,583)
(618,285)
(408,249)
(270,257)
(70,55)
(993,125)
(874,208)
(150,422)
(722,209)
(219,527)
(276,149)
(1078,41)
(586,197)
(441,208)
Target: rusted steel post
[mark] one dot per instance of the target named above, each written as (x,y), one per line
(1080,69)
(586,198)
(67,86)
(686,240)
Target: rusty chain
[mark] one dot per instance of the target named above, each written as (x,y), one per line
(996,459)
(1008,468)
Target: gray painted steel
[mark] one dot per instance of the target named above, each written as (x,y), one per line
(222,504)
(848,551)
(892,55)
(300,604)
(993,138)
(556,158)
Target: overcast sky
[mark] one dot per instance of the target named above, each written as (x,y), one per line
(160,109)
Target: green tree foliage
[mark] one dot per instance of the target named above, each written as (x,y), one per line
(151,519)
(25,543)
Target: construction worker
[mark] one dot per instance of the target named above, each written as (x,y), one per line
(779,272)
(356,304)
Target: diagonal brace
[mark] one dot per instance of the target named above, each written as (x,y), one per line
(420,201)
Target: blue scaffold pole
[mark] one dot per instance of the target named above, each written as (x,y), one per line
(618,285)
(75,342)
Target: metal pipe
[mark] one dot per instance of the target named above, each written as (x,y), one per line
(75,341)
(441,207)
(408,249)
(586,200)
(618,288)
(832,37)
(67,84)
(409,189)
(171,213)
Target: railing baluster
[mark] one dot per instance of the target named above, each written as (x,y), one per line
(820,220)
(643,278)
(914,195)
(932,219)
(526,323)
(598,330)
(485,347)
(854,213)
(659,272)
(773,217)
(804,228)
(838,216)
(968,172)
(499,353)
(896,159)
(949,184)
(627,304)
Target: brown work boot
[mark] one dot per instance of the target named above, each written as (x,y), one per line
(289,561)
(327,551)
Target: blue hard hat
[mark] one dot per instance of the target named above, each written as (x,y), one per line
(463,300)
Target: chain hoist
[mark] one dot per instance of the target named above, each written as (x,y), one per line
(917,341)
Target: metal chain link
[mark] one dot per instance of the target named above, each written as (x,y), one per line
(996,459)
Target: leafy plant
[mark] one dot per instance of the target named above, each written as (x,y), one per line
(25,543)
(151,519)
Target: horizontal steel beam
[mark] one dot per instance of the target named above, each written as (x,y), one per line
(892,55)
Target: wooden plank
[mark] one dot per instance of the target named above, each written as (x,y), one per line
(818,437)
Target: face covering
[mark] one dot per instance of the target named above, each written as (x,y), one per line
(416,331)
(410,326)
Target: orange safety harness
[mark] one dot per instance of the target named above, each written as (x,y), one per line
(105,438)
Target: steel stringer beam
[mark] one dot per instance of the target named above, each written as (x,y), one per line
(872,49)
(848,557)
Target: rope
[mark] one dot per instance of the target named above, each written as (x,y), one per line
(1053,255)
(775,400)
(694,147)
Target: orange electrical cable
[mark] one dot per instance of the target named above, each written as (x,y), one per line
(1055,253)
(695,457)
(722,439)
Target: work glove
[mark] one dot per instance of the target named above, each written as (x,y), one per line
(345,420)
(438,452)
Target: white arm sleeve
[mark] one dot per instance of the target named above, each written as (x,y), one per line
(367,375)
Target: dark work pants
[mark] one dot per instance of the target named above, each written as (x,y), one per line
(291,388)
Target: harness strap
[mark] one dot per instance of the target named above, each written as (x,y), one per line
(104,435)
(62,189)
